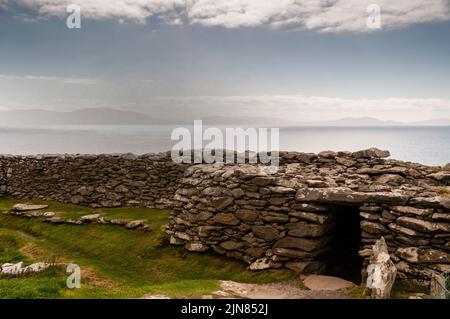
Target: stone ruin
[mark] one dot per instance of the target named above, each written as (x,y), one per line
(318,214)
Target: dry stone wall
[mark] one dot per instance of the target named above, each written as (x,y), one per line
(93,180)
(288,219)
(281,220)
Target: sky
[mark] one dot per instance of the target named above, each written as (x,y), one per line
(306,60)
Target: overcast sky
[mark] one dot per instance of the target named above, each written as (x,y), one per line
(303,60)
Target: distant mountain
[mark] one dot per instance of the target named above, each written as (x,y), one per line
(359,121)
(109,116)
(435,122)
(248,121)
(87,116)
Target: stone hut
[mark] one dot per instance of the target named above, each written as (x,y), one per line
(318,214)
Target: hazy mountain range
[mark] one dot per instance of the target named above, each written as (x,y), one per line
(108,116)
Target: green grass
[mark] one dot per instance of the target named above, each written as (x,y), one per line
(401,290)
(115,262)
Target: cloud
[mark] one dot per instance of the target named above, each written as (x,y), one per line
(319,15)
(64,80)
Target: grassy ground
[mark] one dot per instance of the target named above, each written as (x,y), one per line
(115,262)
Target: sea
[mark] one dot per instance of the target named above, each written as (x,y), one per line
(426,145)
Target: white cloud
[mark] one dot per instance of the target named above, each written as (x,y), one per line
(64,80)
(320,15)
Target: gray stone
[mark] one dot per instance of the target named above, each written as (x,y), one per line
(28,207)
(135,224)
(371,152)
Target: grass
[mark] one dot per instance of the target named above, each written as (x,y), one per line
(401,290)
(115,262)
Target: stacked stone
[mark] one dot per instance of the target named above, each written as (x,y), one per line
(93,180)
(287,219)
(244,213)
(418,238)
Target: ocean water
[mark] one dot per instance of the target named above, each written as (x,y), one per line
(427,145)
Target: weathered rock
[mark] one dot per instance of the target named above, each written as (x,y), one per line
(412,210)
(261,264)
(196,246)
(422,225)
(135,224)
(371,152)
(268,233)
(226,219)
(373,228)
(381,272)
(423,255)
(222,202)
(231,245)
(90,218)
(307,230)
(28,207)
(312,217)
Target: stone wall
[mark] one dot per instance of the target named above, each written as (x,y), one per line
(288,219)
(93,180)
(281,220)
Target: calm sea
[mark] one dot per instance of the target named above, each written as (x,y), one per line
(428,145)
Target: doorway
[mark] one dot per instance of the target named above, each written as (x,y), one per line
(342,259)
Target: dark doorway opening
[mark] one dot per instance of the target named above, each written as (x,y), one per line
(342,259)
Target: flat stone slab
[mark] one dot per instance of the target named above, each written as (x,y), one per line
(27,207)
(318,282)
(280,290)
